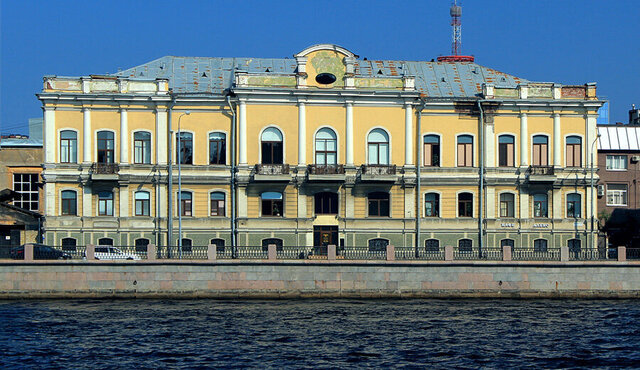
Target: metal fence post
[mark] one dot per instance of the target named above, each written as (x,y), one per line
(152,252)
(212,252)
(271,252)
(622,254)
(331,252)
(90,252)
(391,253)
(28,252)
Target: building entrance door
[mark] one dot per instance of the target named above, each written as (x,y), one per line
(325,235)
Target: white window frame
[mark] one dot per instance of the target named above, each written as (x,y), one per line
(617,156)
(618,193)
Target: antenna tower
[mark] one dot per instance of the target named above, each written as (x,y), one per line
(456,46)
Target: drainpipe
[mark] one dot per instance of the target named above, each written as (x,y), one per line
(481,189)
(592,185)
(418,183)
(170,179)
(232,193)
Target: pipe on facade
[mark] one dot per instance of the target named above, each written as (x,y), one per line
(418,183)
(169,178)
(481,187)
(232,192)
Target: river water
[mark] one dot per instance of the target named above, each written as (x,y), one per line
(102,334)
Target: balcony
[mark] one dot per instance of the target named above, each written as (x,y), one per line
(541,174)
(321,172)
(104,171)
(272,172)
(378,172)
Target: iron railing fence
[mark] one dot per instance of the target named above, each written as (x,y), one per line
(378,169)
(190,252)
(491,254)
(409,253)
(77,252)
(632,253)
(293,253)
(551,254)
(326,169)
(361,253)
(272,169)
(541,170)
(466,254)
(8,251)
(320,253)
(587,255)
(121,252)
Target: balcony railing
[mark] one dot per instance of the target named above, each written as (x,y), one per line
(378,169)
(326,169)
(105,168)
(541,170)
(272,169)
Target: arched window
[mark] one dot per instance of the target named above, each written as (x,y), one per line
(105,203)
(507,205)
(186,204)
(378,146)
(106,147)
(465,151)
(378,204)
(141,147)
(507,243)
(272,149)
(69,203)
(68,146)
(540,151)
(219,243)
(378,245)
(141,244)
(326,147)
(326,203)
(217,203)
(573,205)
(431,205)
(68,244)
(574,151)
(465,245)
(506,151)
(272,204)
(574,247)
(432,245)
(105,241)
(143,203)
(184,143)
(540,245)
(465,205)
(540,205)
(432,150)
(277,242)
(217,148)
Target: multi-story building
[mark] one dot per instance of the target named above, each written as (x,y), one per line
(323,148)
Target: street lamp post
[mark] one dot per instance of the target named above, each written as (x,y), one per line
(186,113)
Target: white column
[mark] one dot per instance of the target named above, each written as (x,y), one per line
(242,133)
(86,201)
(86,135)
(124,201)
(124,135)
(349,134)
(50,199)
(49,124)
(409,141)
(489,145)
(302,134)
(557,140)
(524,139)
(161,136)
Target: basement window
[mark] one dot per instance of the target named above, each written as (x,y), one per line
(325,78)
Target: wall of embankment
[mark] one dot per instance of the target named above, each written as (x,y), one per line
(259,279)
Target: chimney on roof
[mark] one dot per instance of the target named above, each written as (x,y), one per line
(634,115)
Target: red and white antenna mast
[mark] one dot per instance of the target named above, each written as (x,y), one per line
(456,46)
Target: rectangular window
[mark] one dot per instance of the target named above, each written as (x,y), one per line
(186,207)
(217,204)
(617,194)
(142,148)
(574,155)
(465,151)
(616,162)
(26,184)
(432,154)
(217,148)
(68,147)
(505,152)
(272,207)
(507,206)
(105,204)
(540,151)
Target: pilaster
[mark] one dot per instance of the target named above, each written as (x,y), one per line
(524,205)
(50,199)
(161,135)
(558,209)
(490,202)
(242,133)
(557,141)
(124,137)
(87,202)
(409,141)
(302,134)
(349,133)
(524,140)
(489,145)
(49,122)
(124,200)
(86,135)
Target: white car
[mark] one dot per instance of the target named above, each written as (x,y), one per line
(102,252)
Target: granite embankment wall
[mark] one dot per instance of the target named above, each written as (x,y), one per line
(288,279)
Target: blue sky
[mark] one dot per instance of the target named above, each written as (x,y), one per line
(568,41)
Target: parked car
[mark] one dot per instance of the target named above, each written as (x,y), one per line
(40,252)
(103,252)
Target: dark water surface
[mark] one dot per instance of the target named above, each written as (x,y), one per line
(319,333)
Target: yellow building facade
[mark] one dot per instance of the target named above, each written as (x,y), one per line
(324,148)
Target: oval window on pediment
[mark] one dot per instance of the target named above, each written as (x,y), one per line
(325,78)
